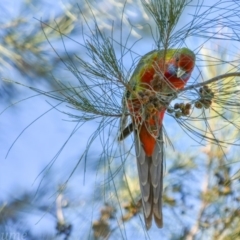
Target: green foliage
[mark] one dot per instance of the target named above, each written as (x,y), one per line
(201,196)
(166,15)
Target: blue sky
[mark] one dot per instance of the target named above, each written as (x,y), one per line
(38,145)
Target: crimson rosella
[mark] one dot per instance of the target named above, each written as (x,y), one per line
(153,84)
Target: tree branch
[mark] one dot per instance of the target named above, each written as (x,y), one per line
(235,74)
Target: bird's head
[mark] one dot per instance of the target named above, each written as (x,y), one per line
(182,63)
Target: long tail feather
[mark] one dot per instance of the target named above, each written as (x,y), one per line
(150,172)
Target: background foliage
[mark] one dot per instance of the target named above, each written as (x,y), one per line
(71,179)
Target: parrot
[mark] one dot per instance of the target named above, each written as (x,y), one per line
(154,83)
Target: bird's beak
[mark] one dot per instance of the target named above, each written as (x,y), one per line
(180,72)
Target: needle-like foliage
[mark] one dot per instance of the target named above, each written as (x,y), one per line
(207,109)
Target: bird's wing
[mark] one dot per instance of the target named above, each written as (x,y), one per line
(123,133)
(150,172)
(125,129)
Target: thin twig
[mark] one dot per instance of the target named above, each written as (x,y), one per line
(236,74)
